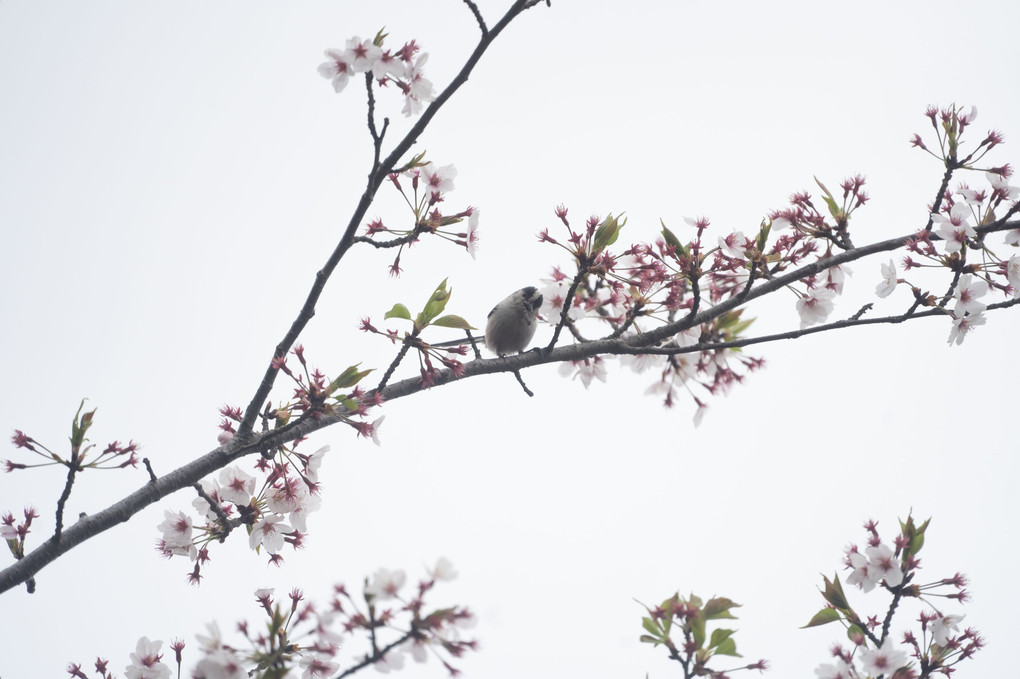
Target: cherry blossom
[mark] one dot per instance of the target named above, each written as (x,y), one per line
(943,628)
(362,54)
(862,574)
(883,660)
(298,517)
(338,69)
(221,663)
(386,583)
(393,660)
(389,65)
(586,369)
(318,665)
(177,535)
(962,325)
(471,239)
(1000,185)
(734,245)
(966,294)
(883,565)
(314,462)
(836,276)
(889,280)
(418,89)
(236,486)
(955,228)
(146,661)
(839,670)
(1013,274)
(443,570)
(438,180)
(269,532)
(815,306)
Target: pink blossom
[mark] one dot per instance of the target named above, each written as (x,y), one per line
(146,661)
(954,229)
(815,306)
(963,325)
(269,532)
(889,280)
(1013,274)
(968,290)
(338,69)
(884,660)
(386,583)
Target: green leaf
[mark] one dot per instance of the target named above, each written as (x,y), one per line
(607,233)
(834,210)
(450,321)
(913,535)
(348,378)
(645,639)
(719,608)
(434,307)
(670,237)
(719,636)
(80,426)
(652,627)
(763,235)
(728,647)
(673,241)
(398,311)
(823,617)
(698,629)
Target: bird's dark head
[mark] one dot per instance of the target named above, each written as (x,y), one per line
(532,298)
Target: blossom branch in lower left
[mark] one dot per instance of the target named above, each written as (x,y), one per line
(301,635)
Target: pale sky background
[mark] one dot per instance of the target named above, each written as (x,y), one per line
(173,174)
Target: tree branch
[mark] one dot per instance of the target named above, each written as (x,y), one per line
(376,177)
(189,474)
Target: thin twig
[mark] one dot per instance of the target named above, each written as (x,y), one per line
(380,171)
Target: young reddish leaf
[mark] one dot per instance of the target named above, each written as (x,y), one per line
(719,608)
(348,378)
(833,593)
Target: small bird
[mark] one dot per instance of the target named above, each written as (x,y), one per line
(512,322)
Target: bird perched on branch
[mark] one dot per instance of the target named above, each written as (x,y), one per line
(512,322)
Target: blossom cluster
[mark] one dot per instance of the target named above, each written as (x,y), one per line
(952,240)
(641,288)
(300,635)
(680,625)
(423,185)
(82,455)
(403,67)
(936,648)
(645,286)
(274,505)
(274,509)
(314,395)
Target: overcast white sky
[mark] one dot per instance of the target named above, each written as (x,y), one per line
(173,174)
